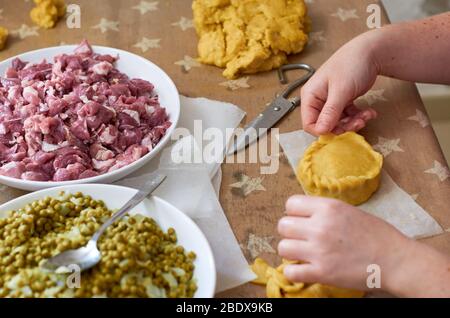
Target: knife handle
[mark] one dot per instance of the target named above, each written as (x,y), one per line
(297,83)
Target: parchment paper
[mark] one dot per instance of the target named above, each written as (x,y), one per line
(390,202)
(194,188)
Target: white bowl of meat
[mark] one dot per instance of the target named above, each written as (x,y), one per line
(81,114)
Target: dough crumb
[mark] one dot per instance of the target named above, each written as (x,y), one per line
(47,12)
(3,37)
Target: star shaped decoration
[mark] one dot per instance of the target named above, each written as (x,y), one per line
(106,25)
(439,170)
(184,23)
(187,63)
(25,31)
(421,118)
(415,196)
(345,15)
(387,146)
(316,38)
(145,6)
(236,84)
(248,185)
(372,96)
(257,245)
(146,44)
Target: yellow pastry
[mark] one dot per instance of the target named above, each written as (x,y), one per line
(3,37)
(249,36)
(47,12)
(343,167)
(277,285)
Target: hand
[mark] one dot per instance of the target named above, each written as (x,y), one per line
(327,98)
(337,242)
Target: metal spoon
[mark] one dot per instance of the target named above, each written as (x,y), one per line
(88,256)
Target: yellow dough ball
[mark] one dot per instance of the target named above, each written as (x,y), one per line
(249,36)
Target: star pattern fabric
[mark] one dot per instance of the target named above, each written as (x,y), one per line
(184,23)
(421,118)
(145,44)
(387,146)
(248,185)
(106,25)
(373,96)
(25,31)
(145,6)
(236,84)
(345,14)
(256,245)
(316,38)
(439,170)
(187,63)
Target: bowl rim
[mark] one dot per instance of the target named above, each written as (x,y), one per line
(185,219)
(112,174)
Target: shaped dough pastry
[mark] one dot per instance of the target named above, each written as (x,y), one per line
(343,167)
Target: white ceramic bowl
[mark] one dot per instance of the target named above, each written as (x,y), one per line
(165,214)
(135,67)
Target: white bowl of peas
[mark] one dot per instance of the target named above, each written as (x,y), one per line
(156,251)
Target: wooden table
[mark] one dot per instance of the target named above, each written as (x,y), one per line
(255,216)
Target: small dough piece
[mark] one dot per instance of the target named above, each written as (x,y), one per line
(277,285)
(259,267)
(47,12)
(249,36)
(343,167)
(3,37)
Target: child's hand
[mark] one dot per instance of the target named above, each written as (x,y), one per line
(327,98)
(338,242)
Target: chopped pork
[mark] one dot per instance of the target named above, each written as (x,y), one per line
(76,118)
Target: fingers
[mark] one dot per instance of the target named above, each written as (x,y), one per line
(296,206)
(295,249)
(352,124)
(351,110)
(310,110)
(332,110)
(356,119)
(306,206)
(305,273)
(294,227)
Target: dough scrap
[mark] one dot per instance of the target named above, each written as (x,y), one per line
(47,12)
(277,286)
(3,37)
(249,36)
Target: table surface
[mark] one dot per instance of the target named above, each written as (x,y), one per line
(413,157)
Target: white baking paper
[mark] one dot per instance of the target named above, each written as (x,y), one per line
(194,188)
(389,203)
